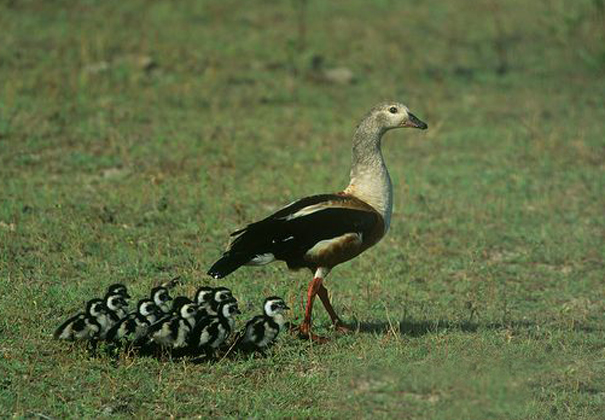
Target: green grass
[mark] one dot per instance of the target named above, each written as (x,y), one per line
(134,136)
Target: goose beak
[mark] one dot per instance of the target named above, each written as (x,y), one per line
(415,122)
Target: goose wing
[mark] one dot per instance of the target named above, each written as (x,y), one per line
(303,232)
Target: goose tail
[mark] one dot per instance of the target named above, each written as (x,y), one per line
(227,264)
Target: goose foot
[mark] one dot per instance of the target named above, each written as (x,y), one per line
(304,333)
(342,328)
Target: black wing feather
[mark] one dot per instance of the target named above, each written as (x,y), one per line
(289,240)
(293,208)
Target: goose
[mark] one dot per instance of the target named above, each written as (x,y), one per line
(321,231)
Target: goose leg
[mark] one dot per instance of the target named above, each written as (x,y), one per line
(305,328)
(325,299)
(314,287)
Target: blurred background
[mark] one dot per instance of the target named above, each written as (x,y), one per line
(135,135)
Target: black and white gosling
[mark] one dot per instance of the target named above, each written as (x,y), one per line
(221,294)
(262,330)
(116,300)
(84,325)
(117,306)
(162,299)
(173,332)
(204,296)
(209,298)
(117,309)
(212,331)
(134,326)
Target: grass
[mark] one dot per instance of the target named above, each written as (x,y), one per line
(134,136)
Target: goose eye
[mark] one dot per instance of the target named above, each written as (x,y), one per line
(393,110)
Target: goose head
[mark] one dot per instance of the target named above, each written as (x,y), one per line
(390,115)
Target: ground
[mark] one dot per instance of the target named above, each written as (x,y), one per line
(135,136)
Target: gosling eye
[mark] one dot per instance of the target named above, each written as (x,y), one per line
(393,110)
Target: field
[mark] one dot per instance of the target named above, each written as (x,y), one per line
(134,136)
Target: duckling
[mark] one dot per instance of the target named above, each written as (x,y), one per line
(172,332)
(213,331)
(204,298)
(134,326)
(262,330)
(84,325)
(209,298)
(204,295)
(221,294)
(116,310)
(116,300)
(117,306)
(162,299)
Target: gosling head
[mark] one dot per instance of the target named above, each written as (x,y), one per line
(161,298)
(389,115)
(222,294)
(96,307)
(118,289)
(229,308)
(274,305)
(204,295)
(188,310)
(146,307)
(116,302)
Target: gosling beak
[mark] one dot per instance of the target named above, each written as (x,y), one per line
(414,122)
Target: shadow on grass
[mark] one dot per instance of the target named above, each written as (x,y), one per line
(412,328)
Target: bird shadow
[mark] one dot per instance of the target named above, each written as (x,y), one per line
(414,328)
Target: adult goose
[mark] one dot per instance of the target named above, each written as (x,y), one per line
(322,231)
